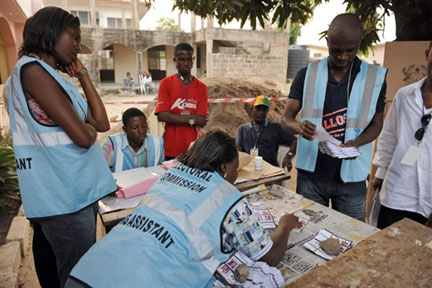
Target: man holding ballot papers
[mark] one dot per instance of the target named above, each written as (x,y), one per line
(346,97)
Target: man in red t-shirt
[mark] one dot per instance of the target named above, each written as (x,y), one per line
(182,104)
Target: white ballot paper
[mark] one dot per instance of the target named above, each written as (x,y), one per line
(314,244)
(264,216)
(260,274)
(331,146)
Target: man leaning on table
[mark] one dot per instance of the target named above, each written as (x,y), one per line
(346,96)
(265,136)
(133,148)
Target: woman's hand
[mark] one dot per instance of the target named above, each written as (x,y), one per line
(71,69)
(290,221)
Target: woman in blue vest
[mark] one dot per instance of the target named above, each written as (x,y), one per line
(61,169)
(190,221)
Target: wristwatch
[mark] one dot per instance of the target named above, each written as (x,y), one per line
(81,73)
(290,153)
(191,121)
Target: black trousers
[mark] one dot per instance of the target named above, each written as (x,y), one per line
(45,259)
(388,216)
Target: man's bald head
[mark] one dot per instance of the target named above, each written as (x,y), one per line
(343,40)
(346,24)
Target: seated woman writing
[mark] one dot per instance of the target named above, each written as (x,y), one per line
(191,220)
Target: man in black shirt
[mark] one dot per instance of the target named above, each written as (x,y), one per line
(343,77)
(264,136)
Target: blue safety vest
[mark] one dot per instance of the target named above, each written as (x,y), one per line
(124,159)
(55,175)
(361,109)
(173,239)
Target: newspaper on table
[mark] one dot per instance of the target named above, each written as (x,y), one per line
(260,274)
(265,218)
(322,235)
(331,146)
(297,260)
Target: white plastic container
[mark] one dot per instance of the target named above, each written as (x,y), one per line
(258,163)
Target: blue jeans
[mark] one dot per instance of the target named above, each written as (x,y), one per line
(347,198)
(59,242)
(73,283)
(127,85)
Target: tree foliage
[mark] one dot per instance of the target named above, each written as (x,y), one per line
(295,32)
(166,24)
(370,12)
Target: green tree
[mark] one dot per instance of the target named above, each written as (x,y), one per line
(295,32)
(413,17)
(166,24)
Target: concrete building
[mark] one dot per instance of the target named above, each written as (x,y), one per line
(13,14)
(113,45)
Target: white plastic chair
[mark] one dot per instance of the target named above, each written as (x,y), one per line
(142,85)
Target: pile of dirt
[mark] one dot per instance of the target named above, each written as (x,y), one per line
(219,87)
(229,116)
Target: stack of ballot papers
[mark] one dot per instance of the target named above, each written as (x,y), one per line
(314,244)
(260,274)
(265,218)
(331,146)
(133,185)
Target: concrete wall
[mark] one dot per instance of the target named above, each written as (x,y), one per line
(170,65)
(247,54)
(376,56)
(125,60)
(144,61)
(98,38)
(244,66)
(249,59)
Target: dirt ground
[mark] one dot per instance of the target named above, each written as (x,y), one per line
(227,117)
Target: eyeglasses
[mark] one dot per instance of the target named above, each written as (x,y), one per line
(421,131)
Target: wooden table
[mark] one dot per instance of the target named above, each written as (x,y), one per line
(398,256)
(110,219)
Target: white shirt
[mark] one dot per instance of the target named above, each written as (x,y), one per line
(407,188)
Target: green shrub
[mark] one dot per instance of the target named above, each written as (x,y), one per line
(9,189)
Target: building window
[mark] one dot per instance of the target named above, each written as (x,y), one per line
(156,60)
(84,17)
(116,23)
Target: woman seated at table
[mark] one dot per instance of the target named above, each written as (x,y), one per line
(190,221)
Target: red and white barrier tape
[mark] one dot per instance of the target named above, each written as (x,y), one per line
(218,100)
